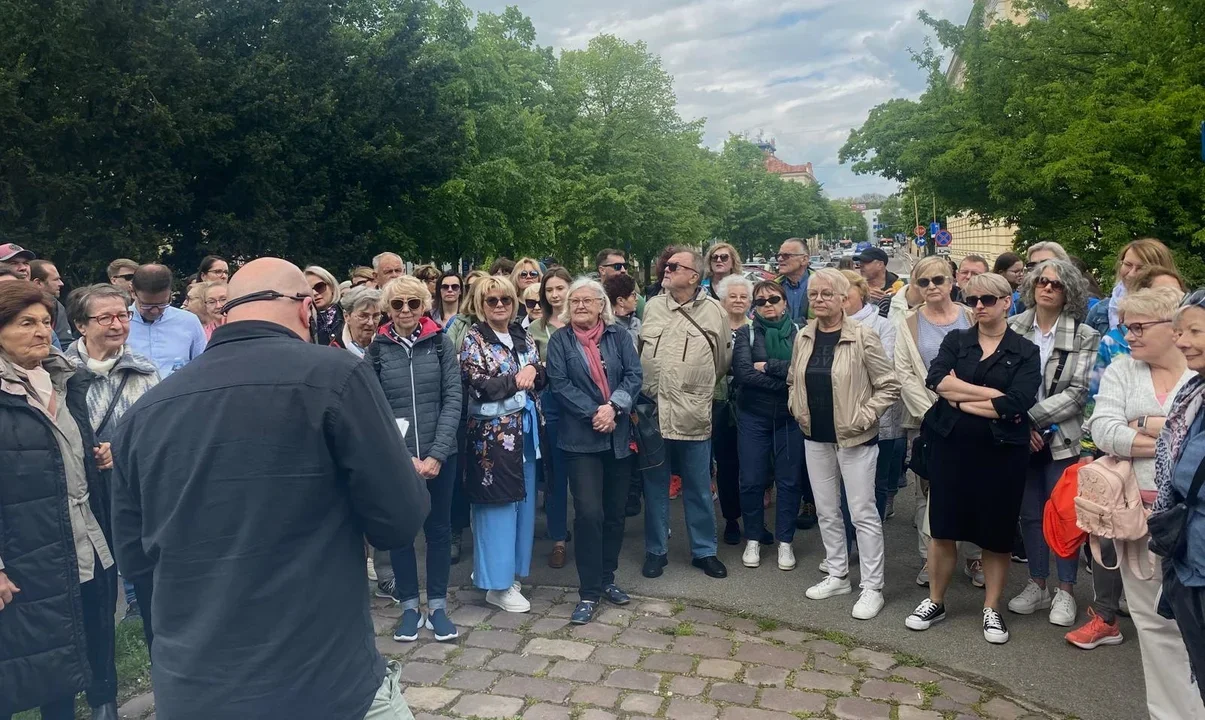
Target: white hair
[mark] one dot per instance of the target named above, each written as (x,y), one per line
(726,284)
(586,282)
(376,261)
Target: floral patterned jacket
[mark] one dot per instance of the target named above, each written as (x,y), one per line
(495,444)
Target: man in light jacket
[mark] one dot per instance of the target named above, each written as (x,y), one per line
(685,347)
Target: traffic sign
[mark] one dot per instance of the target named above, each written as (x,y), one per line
(920,242)
(920,231)
(943,238)
(934,228)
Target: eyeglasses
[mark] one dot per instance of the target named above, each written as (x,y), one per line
(1055,285)
(986,300)
(787,256)
(215,302)
(529,274)
(359,282)
(399,304)
(1136,329)
(531,304)
(1132,267)
(223,273)
(365,316)
(127,277)
(1030,266)
(772,300)
(499,301)
(675,267)
(617,267)
(721,257)
(821,295)
(936,280)
(320,288)
(448,288)
(582,302)
(156,306)
(108,319)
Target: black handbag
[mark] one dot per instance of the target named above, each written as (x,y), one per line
(646,425)
(918,460)
(1169,528)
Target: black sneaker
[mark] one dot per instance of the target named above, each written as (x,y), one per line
(653,565)
(386,588)
(925,615)
(807,517)
(732,533)
(132,612)
(994,629)
(632,508)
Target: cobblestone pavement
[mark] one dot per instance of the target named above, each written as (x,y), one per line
(660,659)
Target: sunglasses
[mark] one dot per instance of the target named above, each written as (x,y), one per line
(1030,266)
(400,304)
(531,304)
(986,300)
(721,257)
(446,288)
(675,267)
(787,256)
(529,274)
(358,283)
(1055,285)
(618,267)
(127,278)
(319,288)
(772,300)
(936,280)
(498,301)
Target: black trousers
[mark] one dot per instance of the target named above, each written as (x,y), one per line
(727,460)
(599,483)
(1188,606)
(142,592)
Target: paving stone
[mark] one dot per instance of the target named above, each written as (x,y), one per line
(700,615)
(436,652)
(742,625)
(788,636)
(740,637)
(668,662)
(829,664)
(382,625)
(470,615)
(471,680)
(656,607)
(945,704)
(644,639)
(508,621)
(547,626)
(907,712)
(544,711)
(853,708)
(616,656)
(722,669)
(916,675)
(577,672)
(594,695)
(687,686)
(733,693)
(902,693)
(1001,709)
(488,706)
(422,673)
(595,631)
(393,612)
(419,716)
(705,646)
(615,616)
(735,713)
(526,664)
(389,647)
(824,647)
(771,655)
(531,687)
(634,680)
(494,639)
(567,649)
(429,698)
(539,607)
(766,676)
(641,703)
(562,610)
(471,657)
(653,623)
(810,680)
(958,692)
(596,714)
(792,701)
(551,594)
(873,658)
(137,706)
(871,672)
(680,709)
(711,631)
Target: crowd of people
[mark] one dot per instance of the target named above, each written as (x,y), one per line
(217,462)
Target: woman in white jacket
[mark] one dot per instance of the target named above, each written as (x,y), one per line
(1136,393)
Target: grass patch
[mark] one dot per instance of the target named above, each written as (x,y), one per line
(676,608)
(682,629)
(767,625)
(907,660)
(483,626)
(930,689)
(838,638)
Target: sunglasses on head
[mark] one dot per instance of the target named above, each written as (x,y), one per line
(496,301)
(400,304)
(618,267)
(771,300)
(1056,285)
(936,280)
(531,304)
(986,300)
(447,287)
(721,257)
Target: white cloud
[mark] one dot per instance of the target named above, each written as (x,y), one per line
(804,72)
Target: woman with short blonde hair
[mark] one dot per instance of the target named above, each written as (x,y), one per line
(721,261)
(326,304)
(430,275)
(527,272)
(405,286)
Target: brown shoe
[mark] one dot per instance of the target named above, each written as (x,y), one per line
(556,559)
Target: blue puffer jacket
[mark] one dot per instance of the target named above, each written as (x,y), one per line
(422,384)
(579,397)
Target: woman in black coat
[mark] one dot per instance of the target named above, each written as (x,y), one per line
(58,581)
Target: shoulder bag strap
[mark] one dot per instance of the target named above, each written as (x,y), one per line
(125,378)
(1194,490)
(706,335)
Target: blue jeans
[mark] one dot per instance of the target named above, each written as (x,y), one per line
(556,486)
(887,472)
(1039,483)
(437,529)
(763,441)
(692,460)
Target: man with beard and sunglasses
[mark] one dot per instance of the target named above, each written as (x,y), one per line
(611,262)
(244,486)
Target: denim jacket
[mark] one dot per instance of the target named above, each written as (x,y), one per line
(579,397)
(1191,568)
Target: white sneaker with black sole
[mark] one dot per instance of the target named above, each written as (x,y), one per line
(385,589)
(994,629)
(925,616)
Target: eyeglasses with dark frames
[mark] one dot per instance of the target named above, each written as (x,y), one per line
(986,300)
(617,267)
(936,280)
(107,319)
(529,274)
(128,277)
(499,301)
(771,300)
(448,288)
(1137,329)
(320,287)
(531,304)
(399,304)
(721,257)
(674,267)
(1055,285)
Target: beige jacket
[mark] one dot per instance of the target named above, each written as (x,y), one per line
(911,370)
(681,364)
(864,384)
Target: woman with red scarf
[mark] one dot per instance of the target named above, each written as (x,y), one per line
(595,373)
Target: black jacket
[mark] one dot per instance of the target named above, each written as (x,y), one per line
(1014,370)
(245,485)
(42,645)
(579,397)
(762,393)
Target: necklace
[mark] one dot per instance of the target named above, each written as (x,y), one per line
(986,335)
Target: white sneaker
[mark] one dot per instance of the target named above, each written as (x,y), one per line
(1062,609)
(1031,599)
(994,629)
(786,556)
(869,603)
(752,555)
(922,577)
(372,570)
(823,567)
(829,587)
(510,600)
(973,569)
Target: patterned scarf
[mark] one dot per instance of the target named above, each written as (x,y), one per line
(1171,441)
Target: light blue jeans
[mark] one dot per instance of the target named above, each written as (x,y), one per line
(1039,483)
(692,461)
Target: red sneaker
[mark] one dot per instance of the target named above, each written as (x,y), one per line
(675,487)
(1094,633)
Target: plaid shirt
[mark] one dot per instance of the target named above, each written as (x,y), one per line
(1065,401)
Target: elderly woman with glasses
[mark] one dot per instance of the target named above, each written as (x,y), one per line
(841,384)
(362,316)
(1057,297)
(213,298)
(326,304)
(986,378)
(735,293)
(721,261)
(595,374)
(503,373)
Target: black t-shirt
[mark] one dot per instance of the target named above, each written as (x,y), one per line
(818,379)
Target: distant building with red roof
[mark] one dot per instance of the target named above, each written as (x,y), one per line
(795,173)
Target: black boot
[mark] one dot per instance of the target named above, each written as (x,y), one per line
(108,711)
(732,533)
(455,546)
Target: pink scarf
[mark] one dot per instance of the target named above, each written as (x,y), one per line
(589,340)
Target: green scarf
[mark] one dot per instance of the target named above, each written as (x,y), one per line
(778,336)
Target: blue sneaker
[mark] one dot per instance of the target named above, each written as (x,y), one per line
(439,623)
(407,627)
(615,595)
(584,612)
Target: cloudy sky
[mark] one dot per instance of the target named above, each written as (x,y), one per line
(801,71)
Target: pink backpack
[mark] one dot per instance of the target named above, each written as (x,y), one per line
(1109,505)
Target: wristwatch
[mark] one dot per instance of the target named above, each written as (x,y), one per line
(615,406)
(1142,422)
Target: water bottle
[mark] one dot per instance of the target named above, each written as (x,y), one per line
(177,364)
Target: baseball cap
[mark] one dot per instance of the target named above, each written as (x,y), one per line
(872,253)
(10,251)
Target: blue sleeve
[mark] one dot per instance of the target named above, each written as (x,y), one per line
(633,377)
(198,340)
(573,399)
